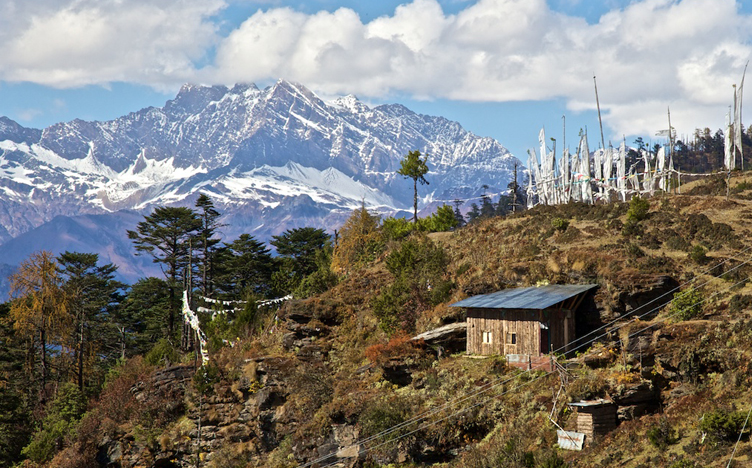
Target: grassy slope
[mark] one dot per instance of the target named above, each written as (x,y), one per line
(698,366)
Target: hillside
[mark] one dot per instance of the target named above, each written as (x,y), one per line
(320,383)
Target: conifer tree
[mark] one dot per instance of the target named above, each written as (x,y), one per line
(298,249)
(165,235)
(247,268)
(359,241)
(413,167)
(209,224)
(90,293)
(38,308)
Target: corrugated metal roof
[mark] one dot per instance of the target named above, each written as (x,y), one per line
(534,297)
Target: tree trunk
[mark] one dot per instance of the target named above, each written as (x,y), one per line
(43,343)
(81,356)
(415,201)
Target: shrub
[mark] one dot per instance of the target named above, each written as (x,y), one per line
(560,224)
(632,228)
(686,304)
(586,387)
(698,255)
(116,402)
(661,435)
(396,228)
(163,353)
(443,220)
(633,250)
(59,424)
(638,209)
(676,242)
(205,378)
(359,242)
(722,425)
(383,415)
(553,460)
(740,302)
(398,345)
(420,282)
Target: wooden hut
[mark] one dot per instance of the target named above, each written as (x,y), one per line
(595,417)
(523,324)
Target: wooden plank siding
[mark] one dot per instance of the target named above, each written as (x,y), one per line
(524,324)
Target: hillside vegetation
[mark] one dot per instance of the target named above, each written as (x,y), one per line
(333,379)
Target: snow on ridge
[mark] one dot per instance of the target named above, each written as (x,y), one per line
(266,183)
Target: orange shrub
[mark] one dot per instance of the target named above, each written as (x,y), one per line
(399,345)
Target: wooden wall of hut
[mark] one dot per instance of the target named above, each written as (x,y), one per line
(515,331)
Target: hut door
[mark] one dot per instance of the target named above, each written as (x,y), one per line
(544,342)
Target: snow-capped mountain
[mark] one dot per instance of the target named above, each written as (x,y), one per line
(270,159)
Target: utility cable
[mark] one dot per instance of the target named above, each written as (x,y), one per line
(486,387)
(369,449)
(740,438)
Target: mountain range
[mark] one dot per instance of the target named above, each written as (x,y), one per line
(270,159)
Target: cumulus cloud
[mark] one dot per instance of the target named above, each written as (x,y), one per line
(647,55)
(78,42)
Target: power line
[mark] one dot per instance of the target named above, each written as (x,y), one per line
(369,449)
(485,388)
(740,438)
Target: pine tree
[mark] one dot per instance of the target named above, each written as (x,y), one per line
(209,224)
(359,241)
(142,316)
(458,214)
(166,236)
(412,167)
(90,292)
(247,267)
(298,249)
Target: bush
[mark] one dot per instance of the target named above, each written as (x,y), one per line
(205,378)
(633,250)
(553,460)
(163,353)
(740,302)
(676,242)
(359,242)
(722,425)
(560,224)
(396,228)
(59,424)
(398,345)
(638,209)
(587,387)
(420,283)
(116,402)
(384,415)
(698,255)
(661,435)
(632,228)
(686,304)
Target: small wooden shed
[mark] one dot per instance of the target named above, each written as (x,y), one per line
(523,324)
(595,417)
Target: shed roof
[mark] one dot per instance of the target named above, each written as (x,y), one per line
(534,297)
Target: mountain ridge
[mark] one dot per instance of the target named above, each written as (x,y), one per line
(271,159)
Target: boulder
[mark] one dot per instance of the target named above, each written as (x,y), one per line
(649,295)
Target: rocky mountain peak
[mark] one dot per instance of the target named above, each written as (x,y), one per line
(271,159)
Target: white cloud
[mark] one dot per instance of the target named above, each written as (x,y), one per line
(79,42)
(646,55)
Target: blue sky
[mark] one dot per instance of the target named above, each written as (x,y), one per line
(502,68)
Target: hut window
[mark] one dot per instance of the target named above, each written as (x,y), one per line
(512,338)
(487,337)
